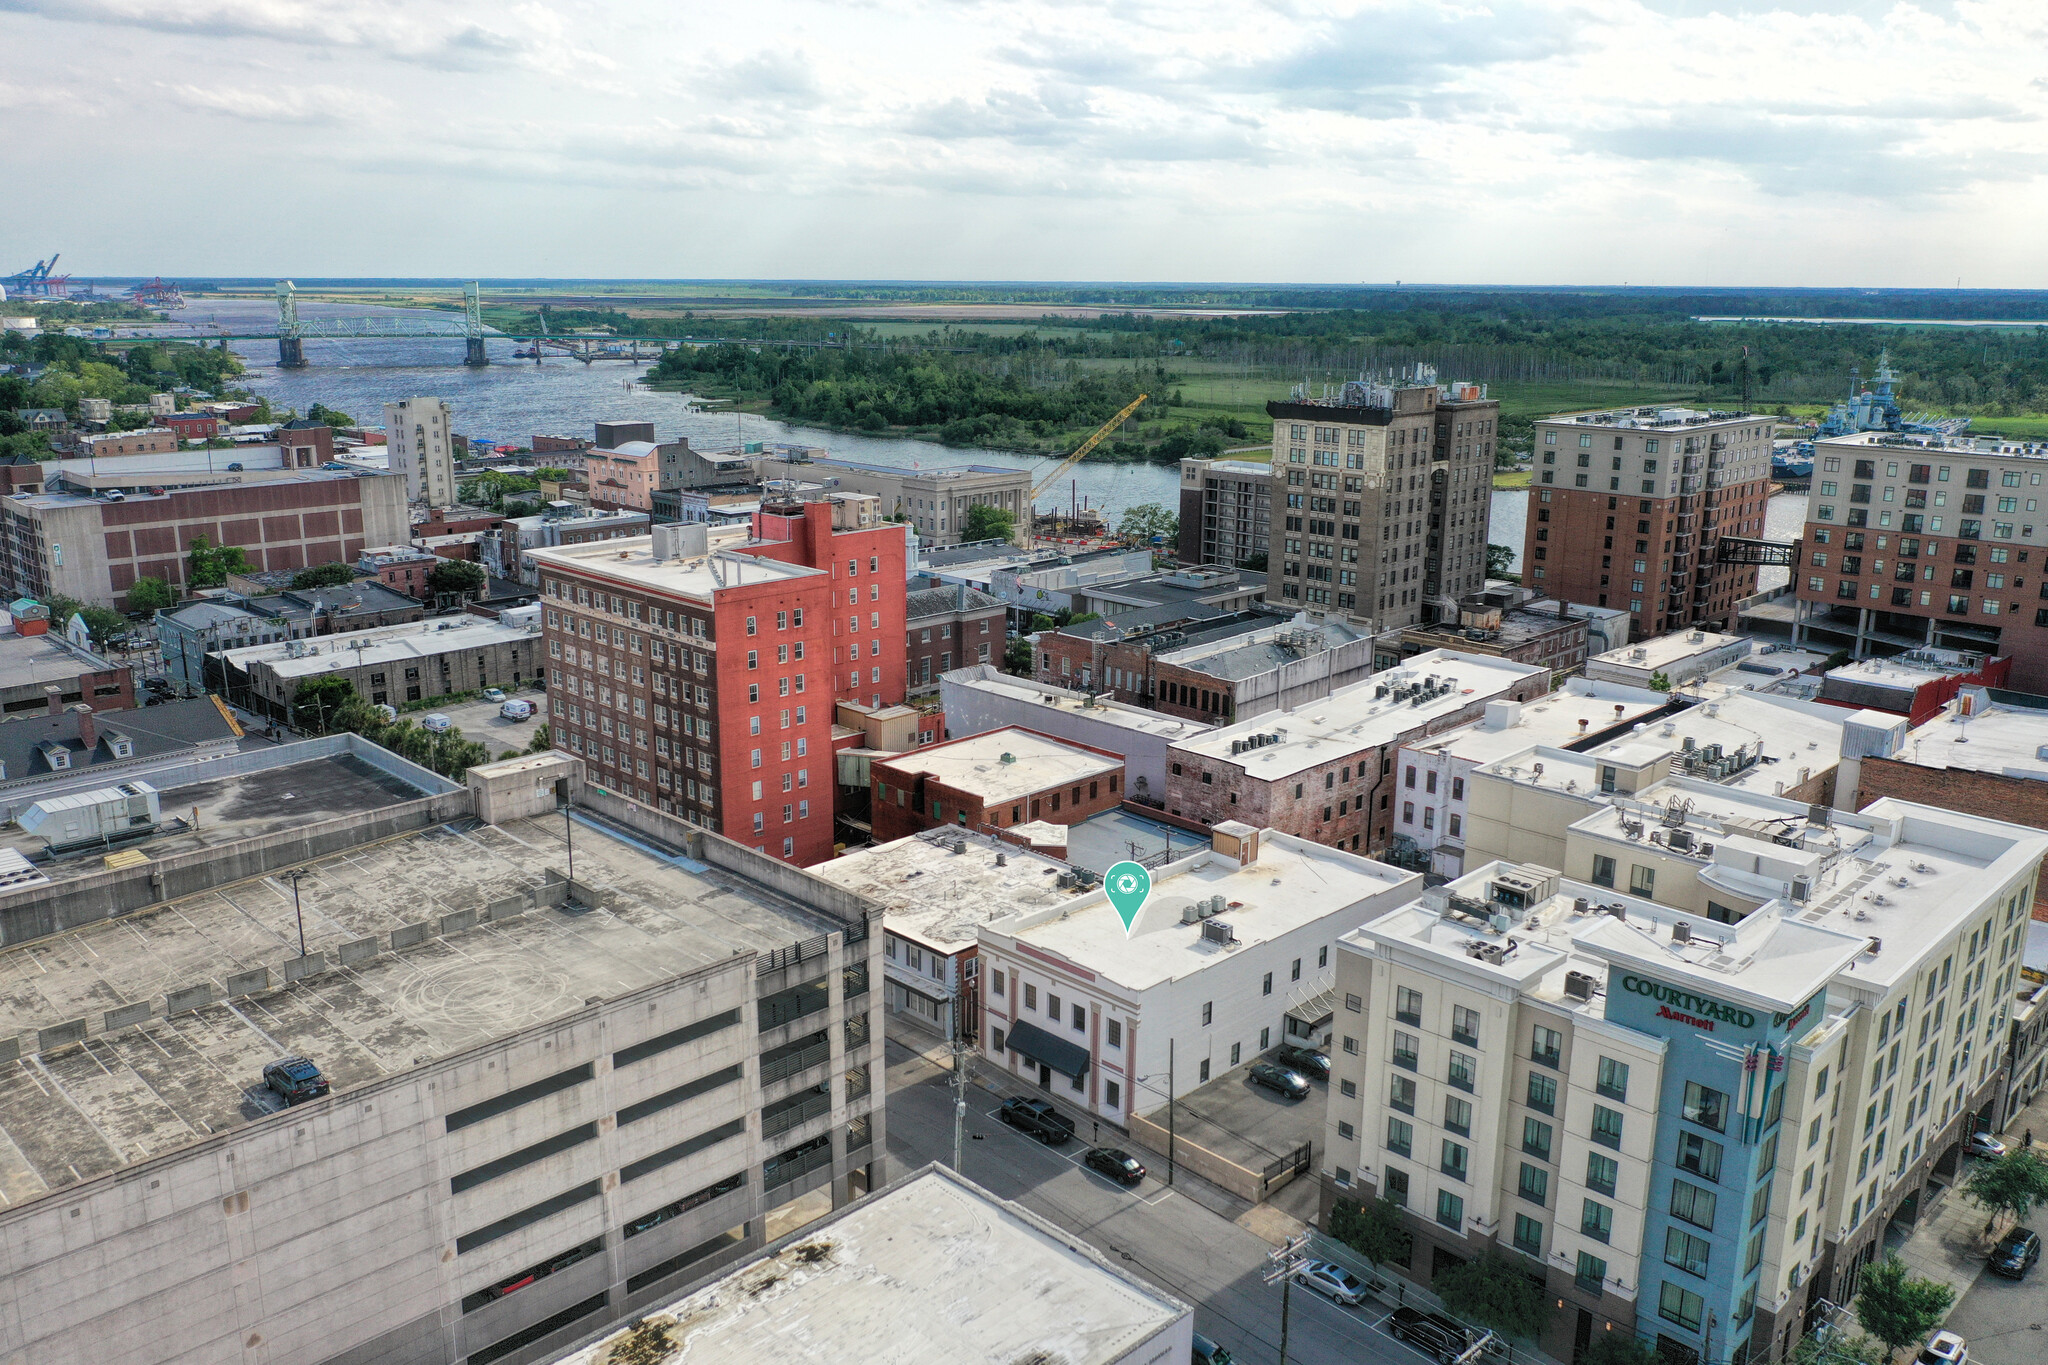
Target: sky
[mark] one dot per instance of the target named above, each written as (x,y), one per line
(1667,142)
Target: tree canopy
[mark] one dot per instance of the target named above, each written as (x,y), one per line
(210,565)
(1146,521)
(330,575)
(984,522)
(1500,560)
(456,578)
(1495,1292)
(1898,1307)
(1373,1229)
(2011,1184)
(151,594)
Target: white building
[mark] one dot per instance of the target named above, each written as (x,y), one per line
(1681,657)
(1232,945)
(421,446)
(983,697)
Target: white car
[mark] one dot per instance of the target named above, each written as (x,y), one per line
(437,723)
(1983,1144)
(494,694)
(1945,1348)
(1332,1281)
(516,710)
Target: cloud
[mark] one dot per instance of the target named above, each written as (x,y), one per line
(781,77)
(280,104)
(389,29)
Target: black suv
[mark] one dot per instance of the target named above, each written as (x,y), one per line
(1038,1118)
(2015,1254)
(1428,1333)
(295,1080)
(1309,1062)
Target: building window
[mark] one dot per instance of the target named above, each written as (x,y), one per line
(1699,1155)
(1601,1172)
(1705,1106)
(1450,1209)
(1465,1025)
(1642,881)
(1596,1220)
(1461,1070)
(1407,1005)
(1400,1137)
(1458,1115)
(1454,1160)
(1691,1204)
(1535,1184)
(1543,1093)
(1591,1274)
(1528,1235)
(1405,1049)
(1546,1045)
(1613,1081)
(1536,1136)
(1680,1305)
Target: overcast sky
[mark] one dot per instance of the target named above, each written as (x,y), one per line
(1815,142)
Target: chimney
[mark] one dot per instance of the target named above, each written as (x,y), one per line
(88,729)
(54,696)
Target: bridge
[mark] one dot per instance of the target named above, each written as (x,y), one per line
(1772,553)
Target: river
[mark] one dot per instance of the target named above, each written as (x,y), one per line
(514,400)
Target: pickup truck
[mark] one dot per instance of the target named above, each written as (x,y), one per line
(1039,1119)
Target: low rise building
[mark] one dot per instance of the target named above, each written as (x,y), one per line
(1226,507)
(1325,771)
(1678,659)
(1916,684)
(983,698)
(401,568)
(144,441)
(187,635)
(191,426)
(1692,1130)
(991,781)
(36,667)
(390,665)
(504,550)
(947,627)
(1229,956)
(858,1286)
(935,501)
(1555,640)
(80,747)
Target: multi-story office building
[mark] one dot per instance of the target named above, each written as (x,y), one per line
(1629,506)
(554,1103)
(1226,511)
(697,670)
(421,446)
(1916,541)
(934,501)
(947,627)
(1695,1126)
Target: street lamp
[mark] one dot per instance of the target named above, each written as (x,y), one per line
(298,914)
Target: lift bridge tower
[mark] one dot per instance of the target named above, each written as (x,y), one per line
(291,341)
(473,325)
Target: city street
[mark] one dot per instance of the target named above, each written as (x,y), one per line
(1162,1234)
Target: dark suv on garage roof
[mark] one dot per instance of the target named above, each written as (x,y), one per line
(295,1080)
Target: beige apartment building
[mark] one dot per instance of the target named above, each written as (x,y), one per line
(421,445)
(934,501)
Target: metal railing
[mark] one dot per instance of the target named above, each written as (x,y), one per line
(856,1032)
(797,1162)
(787,1006)
(857,1084)
(859,1133)
(790,1115)
(783,1063)
(856,981)
(806,950)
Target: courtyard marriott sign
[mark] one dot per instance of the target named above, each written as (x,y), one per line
(1687,1008)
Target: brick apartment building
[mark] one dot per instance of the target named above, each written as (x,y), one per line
(146,441)
(93,548)
(949,627)
(995,780)
(1556,639)
(1630,504)
(1381,499)
(1326,772)
(306,444)
(698,672)
(191,426)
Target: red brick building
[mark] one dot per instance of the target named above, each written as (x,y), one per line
(1628,507)
(992,781)
(949,627)
(699,675)
(305,444)
(191,426)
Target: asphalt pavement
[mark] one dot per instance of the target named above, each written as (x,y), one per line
(1161,1234)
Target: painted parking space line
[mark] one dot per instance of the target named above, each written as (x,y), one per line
(1076,1154)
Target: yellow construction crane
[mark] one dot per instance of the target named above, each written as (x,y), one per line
(1093,441)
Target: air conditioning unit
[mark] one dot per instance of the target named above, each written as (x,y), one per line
(1578,986)
(1216,931)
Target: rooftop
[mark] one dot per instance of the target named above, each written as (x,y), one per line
(940,898)
(153,732)
(947,600)
(1234,655)
(1364,715)
(899,471)
(32,660)
(2007,737)
(1293,883)
(630,561)
(87,1108)
(1941,445)
(1582,707)
(387,644)
(1004,765)
(931,1271)
(1906,672)
(1654,418)
(1660,652)
(988,678)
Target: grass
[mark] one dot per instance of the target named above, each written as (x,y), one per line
(1511,478)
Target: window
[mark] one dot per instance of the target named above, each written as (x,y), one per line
(1405,1045)
(1115,1032)
(1546,1045)
(1691,1204)
(1208,1012)
(1701,1156)
(1596,1220)
(1705,1106)
(1601,1172)
(1461,1069)
(1680,1305)
(1543,1093)
(1266,987)
(1642,881)
(1687,1252)
(1031,997)
(1613,1081)
(1528,1235)
(1536,1138)
(1606,1126)
(1401,1095)
(1407,1005)
(1450,1209)
(1535,1184)
(1465,1025)
(1591,1274)
(1400,1137)
(1453,1163)
(1458,1115)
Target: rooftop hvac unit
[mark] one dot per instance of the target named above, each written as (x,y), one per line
(1190,914)
(1681,932)
(1216,931)
(1801,888)
(1680,839)
(1578,986)
(1689,744)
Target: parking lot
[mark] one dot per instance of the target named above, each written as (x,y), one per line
(479,720)
(1251,1126)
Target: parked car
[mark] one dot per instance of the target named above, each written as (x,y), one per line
(1115,1163)
(1332,1281)
(1306,1060)
(1429,1333)
(437,723)
(1039,1119)
(387,711)
(1983,1144)
(494,694)
(1945,1348)
(295,1080)
(2015,1254)
(1207,1352)
(516,710)
(1280,1079)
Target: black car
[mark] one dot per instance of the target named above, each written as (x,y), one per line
(2015,1254)
(295,1080)
(1429,1333)
(1038,1118)
(1306,1060)
(1115,1163)
(1280,1080)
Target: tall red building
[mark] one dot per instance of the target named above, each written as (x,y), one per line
(697,671)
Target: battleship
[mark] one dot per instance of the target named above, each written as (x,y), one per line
(1865,409)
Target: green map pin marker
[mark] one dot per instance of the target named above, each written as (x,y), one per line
(1127,884)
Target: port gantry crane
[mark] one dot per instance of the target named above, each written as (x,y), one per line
(1080,452)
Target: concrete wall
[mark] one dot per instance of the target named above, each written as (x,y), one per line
(520,787)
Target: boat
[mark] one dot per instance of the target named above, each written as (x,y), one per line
(1878,410)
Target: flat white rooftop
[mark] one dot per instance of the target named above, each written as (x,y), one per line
(940,898)
(932,1271)
(1003,765)
(1661,651)
(1657,418)
(630,561)
(413,640)
(1358,717)
(1790,735)
(1555,719)
(1964,446)
(984,678)
(1998,739)
(1294,883)
(1905,672)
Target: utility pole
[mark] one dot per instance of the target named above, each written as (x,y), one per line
(569,841)
(1284,1261)
(959,1084)
(1169,1112)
